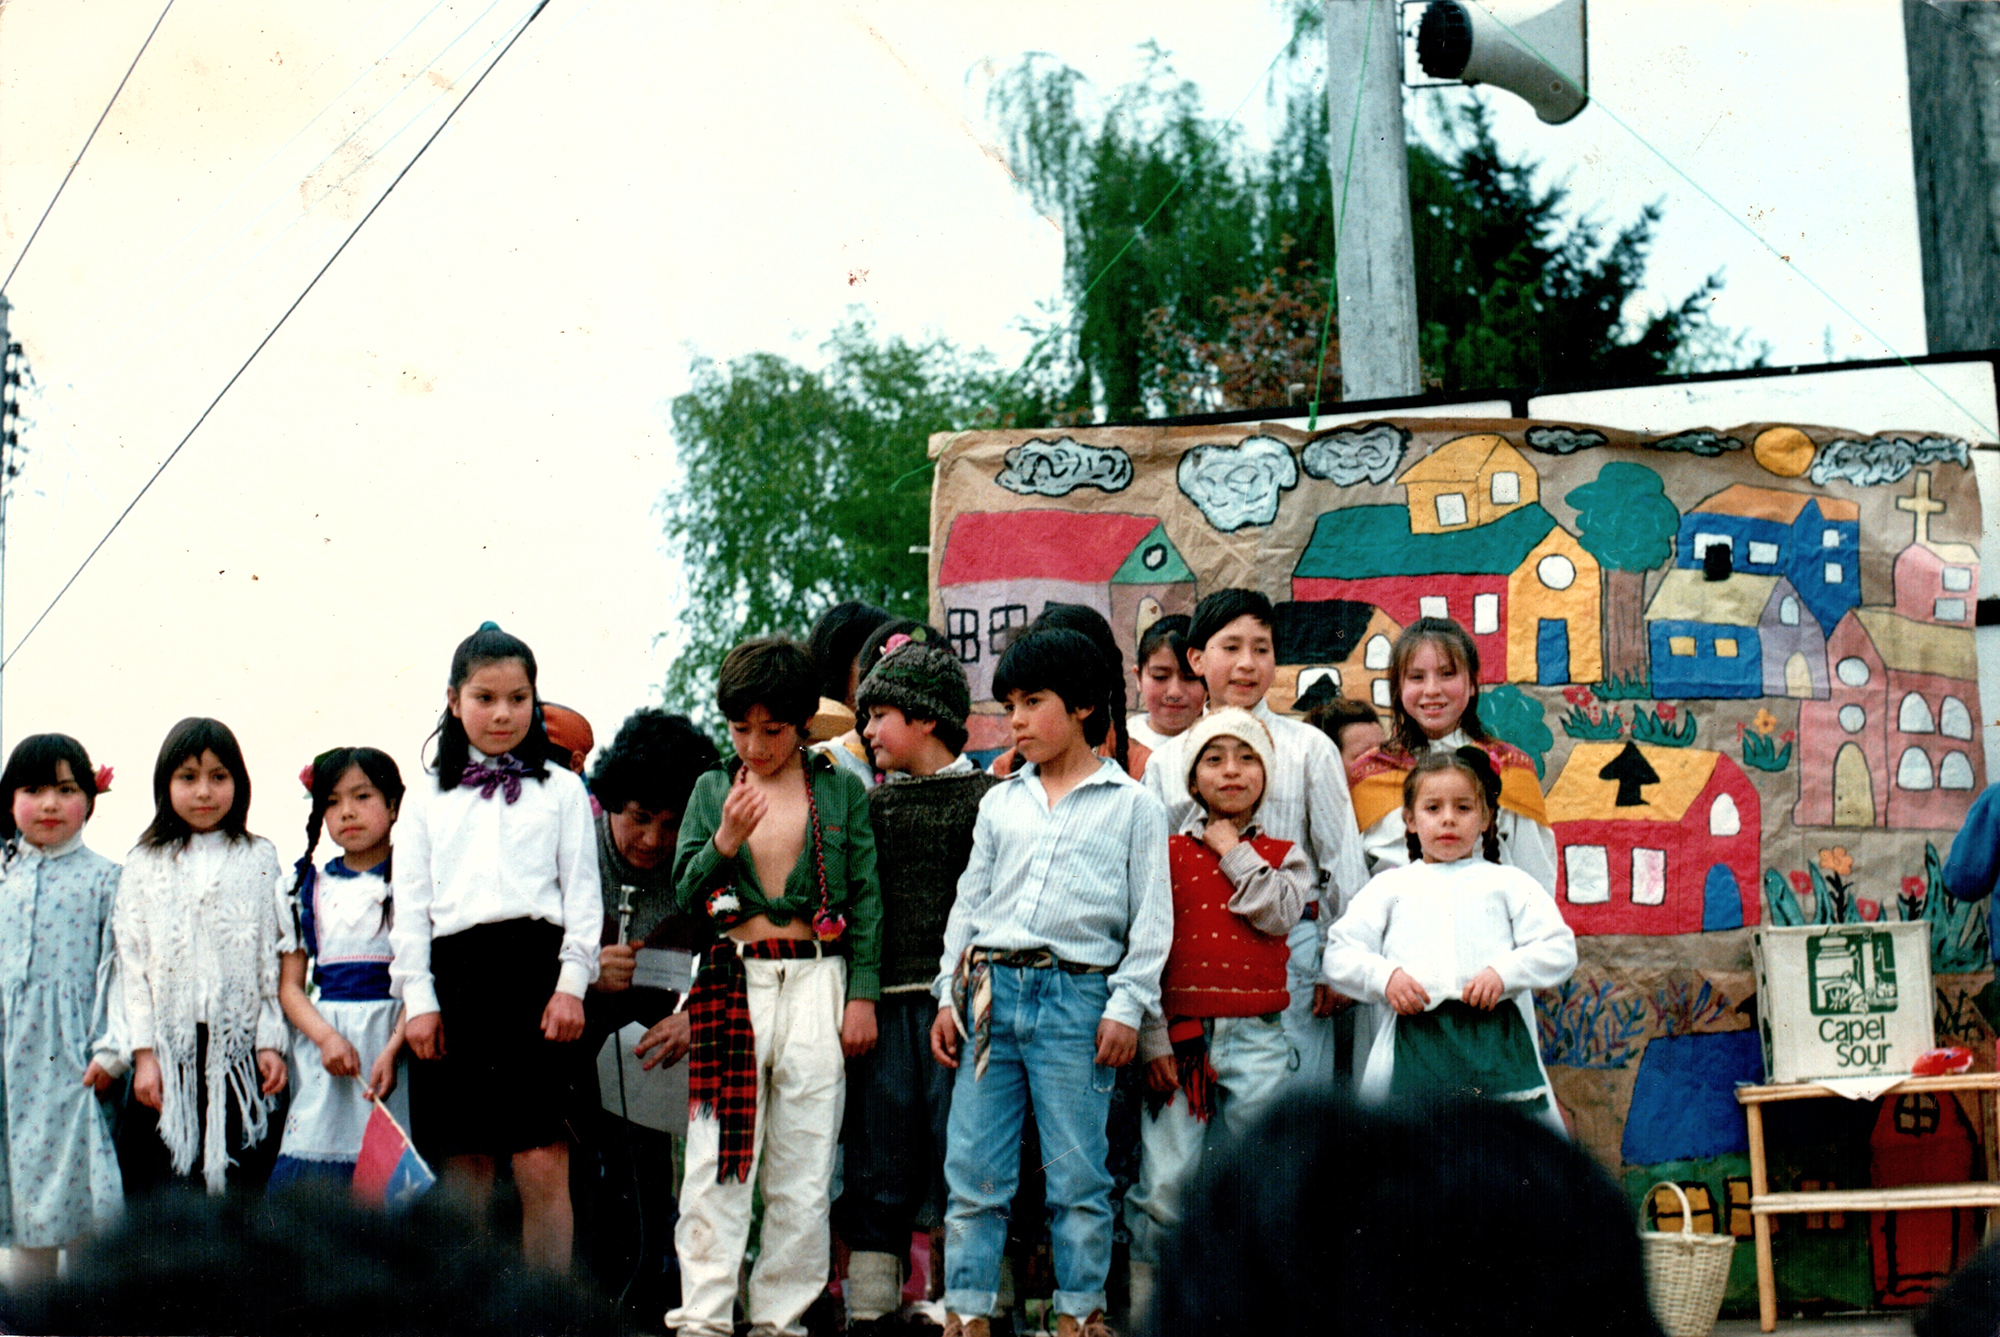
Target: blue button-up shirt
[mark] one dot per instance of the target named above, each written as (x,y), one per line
(1086,879)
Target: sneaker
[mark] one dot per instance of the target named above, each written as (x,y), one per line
(1094,1326)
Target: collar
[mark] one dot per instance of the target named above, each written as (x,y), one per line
(959,765)
(1096,777)
(1192,824)
(1455,739)
(337,866)
(70,846)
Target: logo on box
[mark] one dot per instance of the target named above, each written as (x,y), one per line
(1851,974)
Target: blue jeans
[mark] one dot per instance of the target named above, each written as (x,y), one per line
(1044,1048)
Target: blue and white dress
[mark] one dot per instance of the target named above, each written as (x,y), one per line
(59,1177)
(344,928)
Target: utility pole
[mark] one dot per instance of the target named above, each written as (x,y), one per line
(1952,51)
(1374,266)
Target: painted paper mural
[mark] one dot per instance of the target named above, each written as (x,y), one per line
(1742,660)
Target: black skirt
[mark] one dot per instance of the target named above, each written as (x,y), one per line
(498,1087)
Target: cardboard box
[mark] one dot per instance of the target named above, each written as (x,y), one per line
(1843,1000)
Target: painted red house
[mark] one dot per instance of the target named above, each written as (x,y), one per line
(1655,840)
(1923,1138)
(1000,569)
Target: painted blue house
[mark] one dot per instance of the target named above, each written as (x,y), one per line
(1741,637)
(1812,541)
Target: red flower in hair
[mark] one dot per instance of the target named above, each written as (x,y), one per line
(104,779)
(306,777)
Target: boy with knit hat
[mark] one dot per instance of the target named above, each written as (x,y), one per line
(1220,1046)
(912,708)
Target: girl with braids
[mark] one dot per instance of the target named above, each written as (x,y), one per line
(498,916)
(1434,705)
(1444,942)
(350,1033)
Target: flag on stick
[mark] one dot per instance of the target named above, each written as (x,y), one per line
(389,1173)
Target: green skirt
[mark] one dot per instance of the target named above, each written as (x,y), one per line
(1456,1050)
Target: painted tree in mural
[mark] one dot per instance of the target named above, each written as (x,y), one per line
(1625,521)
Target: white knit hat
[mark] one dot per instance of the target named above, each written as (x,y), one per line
(1228,722)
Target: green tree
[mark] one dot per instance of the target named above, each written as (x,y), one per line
(798,488)
(1624,520)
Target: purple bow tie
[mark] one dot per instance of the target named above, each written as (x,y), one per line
(503,773)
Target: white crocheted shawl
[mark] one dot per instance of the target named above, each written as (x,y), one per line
(199,930)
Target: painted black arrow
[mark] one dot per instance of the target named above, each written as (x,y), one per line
(1632,772)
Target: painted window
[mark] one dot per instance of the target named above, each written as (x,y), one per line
(1913,772)
(1723,818)
(1829,538)
(1153,556)
(1485,614)
(1506,488)
(1955,771)
(1433,605)
(1649,877)
(1764,554)
(1788,611)
(1666,1207)
(1853,671)
(1725,647)
(1451,508)
(1312,677)
(962,630)
(1915,715)
(1822,1220)
(1741,1223)
(1958,578)
(1949,610)
(1680,645)
(1833,573)
(1376,656)
(1852,717)
(1954,721)
(1703,542)
(1380,693)
(1556,571)
(1001,624)
(1589,870)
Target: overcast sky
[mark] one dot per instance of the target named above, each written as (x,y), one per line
(466,419)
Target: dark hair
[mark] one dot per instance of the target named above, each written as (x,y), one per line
(1091,623)
(1223,607)
(329,768)
(1170,631)
(1056,659)
(489,645)
(835,642)
(1470,761)
(1402,1221)
(769,671)
(303,1259)
(654,761)
(1966,1304)
(1409,736)
(1337,714)
(871,651)
(33,764)
(186,741)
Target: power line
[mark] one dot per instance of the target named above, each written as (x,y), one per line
(85,149)
(273,332)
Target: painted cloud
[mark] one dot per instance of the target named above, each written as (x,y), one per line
(1881,459)
(1238,485)
(1700,441)
(1042,468)
(1564,440)
(1350,455)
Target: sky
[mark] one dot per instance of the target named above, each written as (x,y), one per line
(467,418)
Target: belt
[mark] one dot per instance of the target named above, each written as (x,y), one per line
(782,949)
(1035,958)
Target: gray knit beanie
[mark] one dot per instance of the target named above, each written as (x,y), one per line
(925,681)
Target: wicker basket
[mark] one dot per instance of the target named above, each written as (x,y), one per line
(1685,1272)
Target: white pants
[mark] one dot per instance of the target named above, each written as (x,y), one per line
(795,1010)
(1253,1061)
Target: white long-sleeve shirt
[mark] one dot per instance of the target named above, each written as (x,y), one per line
(463,860)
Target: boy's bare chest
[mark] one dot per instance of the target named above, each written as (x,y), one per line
(779,839)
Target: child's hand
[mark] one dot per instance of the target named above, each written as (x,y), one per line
(382,1073)
(1327,1003)
(664,1044)
(425,1034)
(562,1019)
(1117,1044)
(1163,1075)
(944,1038)
(338,1057)
(1405,994)
(857,1027)
(1485,990)
(741,812)
(146,1085)
(614,967)
(271,1067)
(1220,834)
(97,1079)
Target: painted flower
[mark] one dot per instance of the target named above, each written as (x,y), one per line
(1836,861)
(103,779)
(1801,883)
(1739,729)
(1913,887)
(1576,696)
(1870,910)
(1764,722)
(1788,735)
(1665,712)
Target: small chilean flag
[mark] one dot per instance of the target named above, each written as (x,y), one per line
(389,1173)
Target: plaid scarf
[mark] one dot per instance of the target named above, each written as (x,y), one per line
(1189,1037)
(722,1058)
